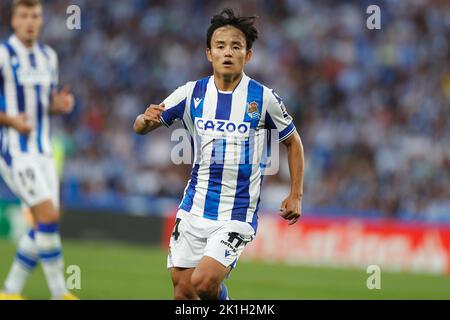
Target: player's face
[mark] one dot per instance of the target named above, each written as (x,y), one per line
(27,23)
(228,53)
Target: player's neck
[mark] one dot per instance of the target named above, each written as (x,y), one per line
(27,43)
(227,82)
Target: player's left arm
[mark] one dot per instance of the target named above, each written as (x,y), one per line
(61,101)
(291,207)
(277,118)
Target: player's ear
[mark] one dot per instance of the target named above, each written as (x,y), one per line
(208,54)
(248,55)
(13,21)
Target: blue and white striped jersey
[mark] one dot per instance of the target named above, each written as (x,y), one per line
(27,76)
(229,139)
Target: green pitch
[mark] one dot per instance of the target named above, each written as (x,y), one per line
(117,271)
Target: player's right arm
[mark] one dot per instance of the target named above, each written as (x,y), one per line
(149,120)
(170,110)
(19,122)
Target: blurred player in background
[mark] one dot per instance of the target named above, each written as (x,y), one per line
(218,214)
(28,96)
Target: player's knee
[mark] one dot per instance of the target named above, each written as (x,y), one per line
(183,291)
(184,295)
(48,217)
(206,287)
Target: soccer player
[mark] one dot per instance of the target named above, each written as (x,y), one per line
(28,96)
(226,114)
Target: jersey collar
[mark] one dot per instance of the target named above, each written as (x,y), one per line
(238,87)
(14,41)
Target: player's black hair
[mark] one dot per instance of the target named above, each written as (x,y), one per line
(228,18)
(26,3)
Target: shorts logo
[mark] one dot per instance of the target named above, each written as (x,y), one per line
(252,110)
(229,245)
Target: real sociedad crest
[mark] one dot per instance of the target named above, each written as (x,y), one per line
(252,110)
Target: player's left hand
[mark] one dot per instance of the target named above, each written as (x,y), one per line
(291,209)
(63,101)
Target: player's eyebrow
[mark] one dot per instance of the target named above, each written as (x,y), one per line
(232,42)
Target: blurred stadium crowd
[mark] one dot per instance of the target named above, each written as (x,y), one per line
(372,106)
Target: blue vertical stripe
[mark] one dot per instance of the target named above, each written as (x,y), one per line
(2,92)
(4,148)
(1,142)
(263,165)
(31,234)
(212,201)
(2,108)
(37,89)
(32,58)
(39,119)
(242,196)
(188,198)
(23,139)
(198,93)
(192,140)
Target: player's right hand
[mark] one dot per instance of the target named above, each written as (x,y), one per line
(153,113)
(21,124)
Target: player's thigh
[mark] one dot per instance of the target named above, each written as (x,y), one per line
(51,179)
(227,243)
(209,274)
(181,280)
(28,181)
(45,212)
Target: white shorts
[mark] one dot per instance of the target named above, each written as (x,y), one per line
(194,237)
(33,178)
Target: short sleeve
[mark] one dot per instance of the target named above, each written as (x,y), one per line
(175,105)
(277,116)
(54,66)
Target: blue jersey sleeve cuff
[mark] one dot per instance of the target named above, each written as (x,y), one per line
(287,132)
(165,122)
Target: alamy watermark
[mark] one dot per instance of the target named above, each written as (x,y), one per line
(374,280)
(73,281)
(73,21)
(374,20)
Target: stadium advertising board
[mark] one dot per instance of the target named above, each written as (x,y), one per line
(393,246)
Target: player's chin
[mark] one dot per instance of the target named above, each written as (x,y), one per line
(32,38)
(228,70)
